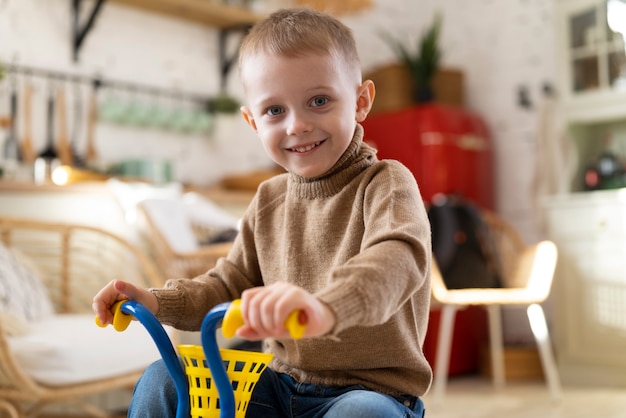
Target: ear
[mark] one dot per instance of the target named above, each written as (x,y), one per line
(365,99)
(247,116)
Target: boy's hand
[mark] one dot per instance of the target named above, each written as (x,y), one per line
(265,310)
(118,290)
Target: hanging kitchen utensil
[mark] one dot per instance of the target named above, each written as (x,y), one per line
(91,154)
(77,125)
(48,159)
(11,153)
(63,141)
(28,151)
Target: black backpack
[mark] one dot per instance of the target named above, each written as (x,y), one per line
(463,245)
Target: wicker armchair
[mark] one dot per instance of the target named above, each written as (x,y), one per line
(174,238)
(527,273)
(74,262)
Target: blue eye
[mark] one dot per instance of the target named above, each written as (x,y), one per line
(274,111)
(319,101)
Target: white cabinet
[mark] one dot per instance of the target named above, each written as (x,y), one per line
(593,59)
(589,292)
(592,89)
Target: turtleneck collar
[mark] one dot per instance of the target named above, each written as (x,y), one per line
(357,157)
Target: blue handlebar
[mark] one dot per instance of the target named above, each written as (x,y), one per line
(164,344)
(214,359)
(173,364)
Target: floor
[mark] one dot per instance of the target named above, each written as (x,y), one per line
(475,397)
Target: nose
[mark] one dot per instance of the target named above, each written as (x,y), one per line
(298,124)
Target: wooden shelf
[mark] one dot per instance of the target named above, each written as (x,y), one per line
(5,121)
(205,12)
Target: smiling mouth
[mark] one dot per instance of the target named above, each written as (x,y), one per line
(306,148)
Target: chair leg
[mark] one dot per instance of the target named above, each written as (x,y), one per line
(496,345)
(539,328)
(10,409)
(444,345)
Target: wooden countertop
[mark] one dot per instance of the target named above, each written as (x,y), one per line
(216,193)
(29,187)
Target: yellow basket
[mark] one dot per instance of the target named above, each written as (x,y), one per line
(242,367)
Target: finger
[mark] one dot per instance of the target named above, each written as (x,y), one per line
(248,333)
(102,313)
(289,301)
(102,303)
(113,292)
(275,310)
(257,317)
(126,290)
(263,315)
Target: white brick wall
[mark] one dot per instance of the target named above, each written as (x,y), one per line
(499,45)
(130,45)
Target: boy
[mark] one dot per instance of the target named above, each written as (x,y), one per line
(341,236)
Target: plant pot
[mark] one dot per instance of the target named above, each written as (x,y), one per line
(423,95)
(395,88)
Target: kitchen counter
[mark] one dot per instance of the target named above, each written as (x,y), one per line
(216,192)
(94,203)
(25,186)
(90,204)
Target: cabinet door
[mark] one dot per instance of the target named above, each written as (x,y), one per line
(589,230)
(592,34)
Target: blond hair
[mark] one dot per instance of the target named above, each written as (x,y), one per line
(299,31)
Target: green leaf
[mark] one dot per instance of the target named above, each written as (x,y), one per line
(422,64)
(223,104)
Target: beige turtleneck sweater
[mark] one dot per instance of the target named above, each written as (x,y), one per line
(357,237)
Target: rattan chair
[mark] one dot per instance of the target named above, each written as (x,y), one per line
(174,238)
(74,262)
(527,273)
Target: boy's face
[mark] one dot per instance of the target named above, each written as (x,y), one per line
(304,109)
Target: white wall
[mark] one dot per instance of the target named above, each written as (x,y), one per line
(499,45)
(132,46)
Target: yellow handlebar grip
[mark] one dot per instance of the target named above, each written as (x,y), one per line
(120,319)
(233,320)
(295,326)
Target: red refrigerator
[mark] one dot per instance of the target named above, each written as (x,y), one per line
(448,150)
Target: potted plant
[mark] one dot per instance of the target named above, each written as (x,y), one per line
(223,103)
(422,64)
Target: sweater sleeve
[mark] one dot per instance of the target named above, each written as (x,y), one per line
(394,262)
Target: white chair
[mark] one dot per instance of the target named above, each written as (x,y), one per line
(527,273)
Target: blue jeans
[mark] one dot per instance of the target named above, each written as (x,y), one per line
(278,395)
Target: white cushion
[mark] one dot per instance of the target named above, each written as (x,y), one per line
(128,195)
(13,324)
(22,293)
(71,348)
(170,218)
(204,212)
